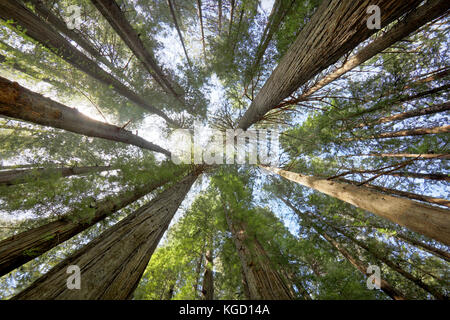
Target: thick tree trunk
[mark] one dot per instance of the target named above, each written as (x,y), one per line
(174,17)
(430,221)
(13,177)
(208,277)
(61,26)
(404,133)
(112,13)
(336,28)
(20,103)
(112,264)
(393,265)
(40,31)
(405,194)
(197,275)
(264,282)
(23,247)
(409,114)
(219,4)
(413,21)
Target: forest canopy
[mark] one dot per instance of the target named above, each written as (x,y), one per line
(317,134)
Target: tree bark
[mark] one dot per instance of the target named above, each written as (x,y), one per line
(445,156)
(199,5)
(404,133)
(336,28)
(358,264)
(428,176)
(40,31)
(413,21)
(264,282)
(232,5)
(13,177)
(208,277)
(114,15)
(112,264)
(23,247)
(20,103)
(219,4)
(430,221)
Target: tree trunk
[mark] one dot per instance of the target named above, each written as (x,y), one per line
(219,4)
(23,247)
(231,17)
(409,114)
(40,31)
(428,176)
(174,17)
(405,133)
(445,156)
(20,103)
(336,28)
(197,275)
(208,277)
(114,15)
(405,194)
(358,264)
(264,282)
(13,177)
(413,21)
(199,5)
(61,26)
(382,257)
(112,264)
(430,221)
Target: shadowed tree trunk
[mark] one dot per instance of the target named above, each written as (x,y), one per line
(20,103)
(430,221)
(112,264)
(404,133)
(200,16)
(112,13)
(13,177)
(428,176)
(23,247)
(406,155)
(219,4)
(40,31)
(336,28)
(208,277)
(232,5)
(358,264)
(263,280)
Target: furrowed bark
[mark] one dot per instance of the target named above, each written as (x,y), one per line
(336,28)
(358,264)
(13,177)
(430,221)
(23,247)
(114,15)
(40,31)
(263,281)
(20,103)
(112,264)
(413,21)
(208,277)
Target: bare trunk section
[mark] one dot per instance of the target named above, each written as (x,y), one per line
(336,28)
(409,114)
(219,4)
(404,133)
(358,264)
(263,281)
(231,17)
(428,176)
(200,15)
(208,277)
(40,31)
(430,221)
(413,21)
(174,17)
(20,103)
(408,155)
(405,194)
(23,247)
(112,13)
(112,264)
(13,177)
